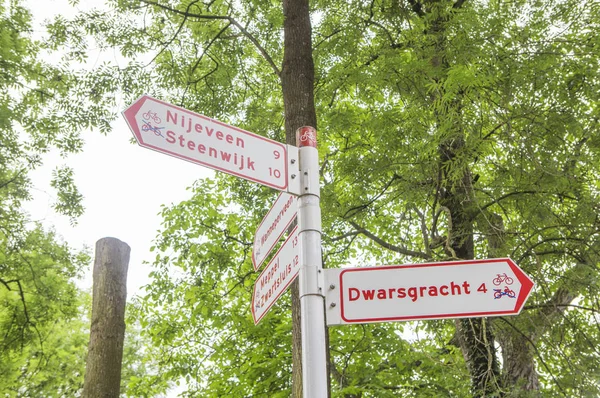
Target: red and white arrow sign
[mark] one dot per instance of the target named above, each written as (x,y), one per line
(178,132)
(276,277)
(272,227)
(457,289)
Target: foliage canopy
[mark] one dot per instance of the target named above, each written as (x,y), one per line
(448,129)
(44,106)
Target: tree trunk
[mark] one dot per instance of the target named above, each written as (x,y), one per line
(519,365)
(107,332)
(476,341)
(456,197)
(475,336)
(297,81)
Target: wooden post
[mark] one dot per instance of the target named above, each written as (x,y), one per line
(107,332)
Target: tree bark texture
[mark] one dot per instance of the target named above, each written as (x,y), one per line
(518,353)
(298,71)
(456,198)
(297,82)
(107,332)
(475,336)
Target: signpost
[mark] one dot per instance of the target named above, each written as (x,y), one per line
(457,289)
(276,222)
(276,277)
(175,131)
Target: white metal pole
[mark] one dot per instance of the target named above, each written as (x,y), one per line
(314,366)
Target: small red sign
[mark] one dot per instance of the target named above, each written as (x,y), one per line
(306,136)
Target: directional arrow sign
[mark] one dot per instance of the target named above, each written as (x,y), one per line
(199,139)
(276,277)
(272,227)
(457,289)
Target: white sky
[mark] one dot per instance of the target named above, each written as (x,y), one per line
(123,184)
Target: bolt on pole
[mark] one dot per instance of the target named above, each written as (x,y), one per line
(314,366)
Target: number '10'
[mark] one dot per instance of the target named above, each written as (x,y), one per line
(275,172)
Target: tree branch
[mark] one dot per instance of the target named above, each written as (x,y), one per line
(352,211)
(424,231)
(537,352)
(5,283)
(458,4)
(417,7)
(574,280)
(343,236)
(168,43)
(581,307)
(23,301)
(387,245)
(353,236)
(16,176)
(532,192)
(231,20)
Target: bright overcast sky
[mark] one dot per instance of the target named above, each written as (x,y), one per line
(123,184)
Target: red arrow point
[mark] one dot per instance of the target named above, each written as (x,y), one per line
(526,285)
(130,113)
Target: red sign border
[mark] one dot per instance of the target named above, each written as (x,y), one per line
(283,289)
(132,110)
(526,287)
(257,267)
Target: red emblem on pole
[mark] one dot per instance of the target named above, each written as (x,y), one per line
(306,136)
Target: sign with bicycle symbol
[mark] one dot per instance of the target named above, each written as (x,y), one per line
(148,118)
(199,139)
(507,292)
(454,289)
(306,136)
(499,293)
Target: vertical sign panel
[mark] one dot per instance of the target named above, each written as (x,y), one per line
(272,227)
(276,277)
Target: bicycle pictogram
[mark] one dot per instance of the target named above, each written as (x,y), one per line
(502,278)
(146,126)
(257,300)
(498,293)
(151,115)
(308,136)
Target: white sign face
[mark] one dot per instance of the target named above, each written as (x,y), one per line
(272,227)
(276,277)
(457,289)
(199,139)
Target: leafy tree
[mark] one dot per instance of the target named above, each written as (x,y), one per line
(40,317)
(43,106)
(493,160)
(40,303)
(449,130)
